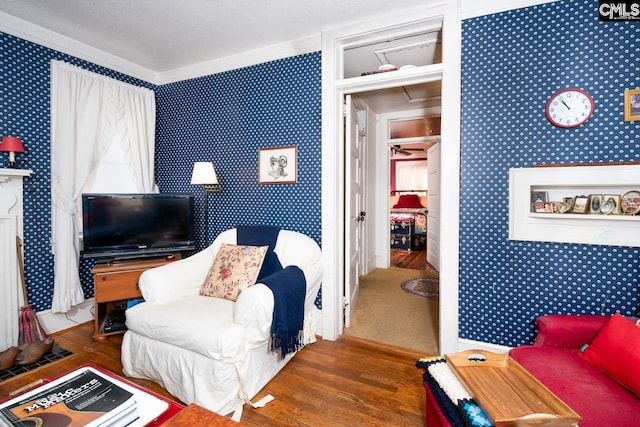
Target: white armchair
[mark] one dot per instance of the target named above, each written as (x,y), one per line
(213,351)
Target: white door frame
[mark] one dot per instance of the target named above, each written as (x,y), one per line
(333,173)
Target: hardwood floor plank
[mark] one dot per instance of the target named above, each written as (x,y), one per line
(348,382)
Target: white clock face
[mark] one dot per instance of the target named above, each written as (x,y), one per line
(569,108)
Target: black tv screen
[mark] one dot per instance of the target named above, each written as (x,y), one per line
(136,225)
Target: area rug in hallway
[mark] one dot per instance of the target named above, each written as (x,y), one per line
(425,287)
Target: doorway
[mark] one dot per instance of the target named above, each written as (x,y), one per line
(384,312)
(336,85)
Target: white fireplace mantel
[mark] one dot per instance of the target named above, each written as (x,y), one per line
(11,225)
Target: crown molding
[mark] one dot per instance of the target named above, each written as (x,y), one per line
(36,34)
(244,59)
(475,8)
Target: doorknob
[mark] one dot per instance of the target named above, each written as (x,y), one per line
(361,216)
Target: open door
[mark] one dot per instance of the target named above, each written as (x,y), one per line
(354,203)
(433,203)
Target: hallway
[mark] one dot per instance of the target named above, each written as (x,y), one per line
(387,314)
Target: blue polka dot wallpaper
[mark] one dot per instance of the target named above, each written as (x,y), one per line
(225,119)
(512,62)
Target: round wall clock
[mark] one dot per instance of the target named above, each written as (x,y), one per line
(569,108)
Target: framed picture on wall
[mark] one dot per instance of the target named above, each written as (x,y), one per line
(278,165)
(631,105)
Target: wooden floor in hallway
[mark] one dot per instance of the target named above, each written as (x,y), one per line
(414,260)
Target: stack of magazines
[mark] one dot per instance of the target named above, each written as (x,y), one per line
(84,397)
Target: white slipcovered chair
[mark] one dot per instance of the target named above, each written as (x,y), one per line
(213,351)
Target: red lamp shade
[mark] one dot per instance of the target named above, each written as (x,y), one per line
(11,144)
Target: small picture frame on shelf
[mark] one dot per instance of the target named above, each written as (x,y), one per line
(538,201)
(595,202)
(631,105)
(613,204)
(630,204)
(607,207)
(569,202)
(278,165)
(581,205)
(563,207)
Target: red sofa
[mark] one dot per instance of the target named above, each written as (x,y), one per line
(588,379)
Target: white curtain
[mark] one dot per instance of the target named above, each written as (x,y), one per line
(411,175)
(87,112)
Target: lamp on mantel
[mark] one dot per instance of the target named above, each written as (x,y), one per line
(12,145)
(204,174)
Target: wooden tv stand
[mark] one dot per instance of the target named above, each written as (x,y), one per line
(115,283)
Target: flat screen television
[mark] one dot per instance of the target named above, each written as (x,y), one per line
(129,226)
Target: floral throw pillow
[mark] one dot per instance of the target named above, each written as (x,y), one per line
(234,270)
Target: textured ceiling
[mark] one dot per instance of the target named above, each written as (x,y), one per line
(162,35)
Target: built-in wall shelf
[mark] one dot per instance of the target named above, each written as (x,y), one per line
(560,182)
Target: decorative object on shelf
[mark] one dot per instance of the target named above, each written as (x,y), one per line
(631,105)
(595,203)
(581,204)
(614,201)
(278,165)
(569,201)
(12,145)
(631,202)
(569,108)
(204,174)
(607,207)
(563,207)
(538,200)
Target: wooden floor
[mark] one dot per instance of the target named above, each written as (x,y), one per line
(415,260)
(349,382)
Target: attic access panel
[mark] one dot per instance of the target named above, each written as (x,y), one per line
(419,44)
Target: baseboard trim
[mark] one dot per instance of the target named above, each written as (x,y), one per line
(464,345)
(55,322)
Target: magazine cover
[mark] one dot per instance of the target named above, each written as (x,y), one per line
(85,399)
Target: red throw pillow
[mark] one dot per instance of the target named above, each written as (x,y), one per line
(615,350)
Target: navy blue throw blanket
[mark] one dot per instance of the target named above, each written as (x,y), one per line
(288,286)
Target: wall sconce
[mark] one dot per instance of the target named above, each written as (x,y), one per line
(204,174)
(12,145)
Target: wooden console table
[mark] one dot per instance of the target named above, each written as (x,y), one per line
(115,283)
(507,392)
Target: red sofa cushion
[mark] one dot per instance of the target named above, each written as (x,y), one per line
(596,397)
(568,331)
(616,351)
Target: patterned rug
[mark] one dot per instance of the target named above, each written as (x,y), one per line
(55,354)
(422,287)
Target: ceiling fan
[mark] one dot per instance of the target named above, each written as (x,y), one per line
(397,149)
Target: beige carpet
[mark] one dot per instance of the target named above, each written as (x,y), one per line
(387,314)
